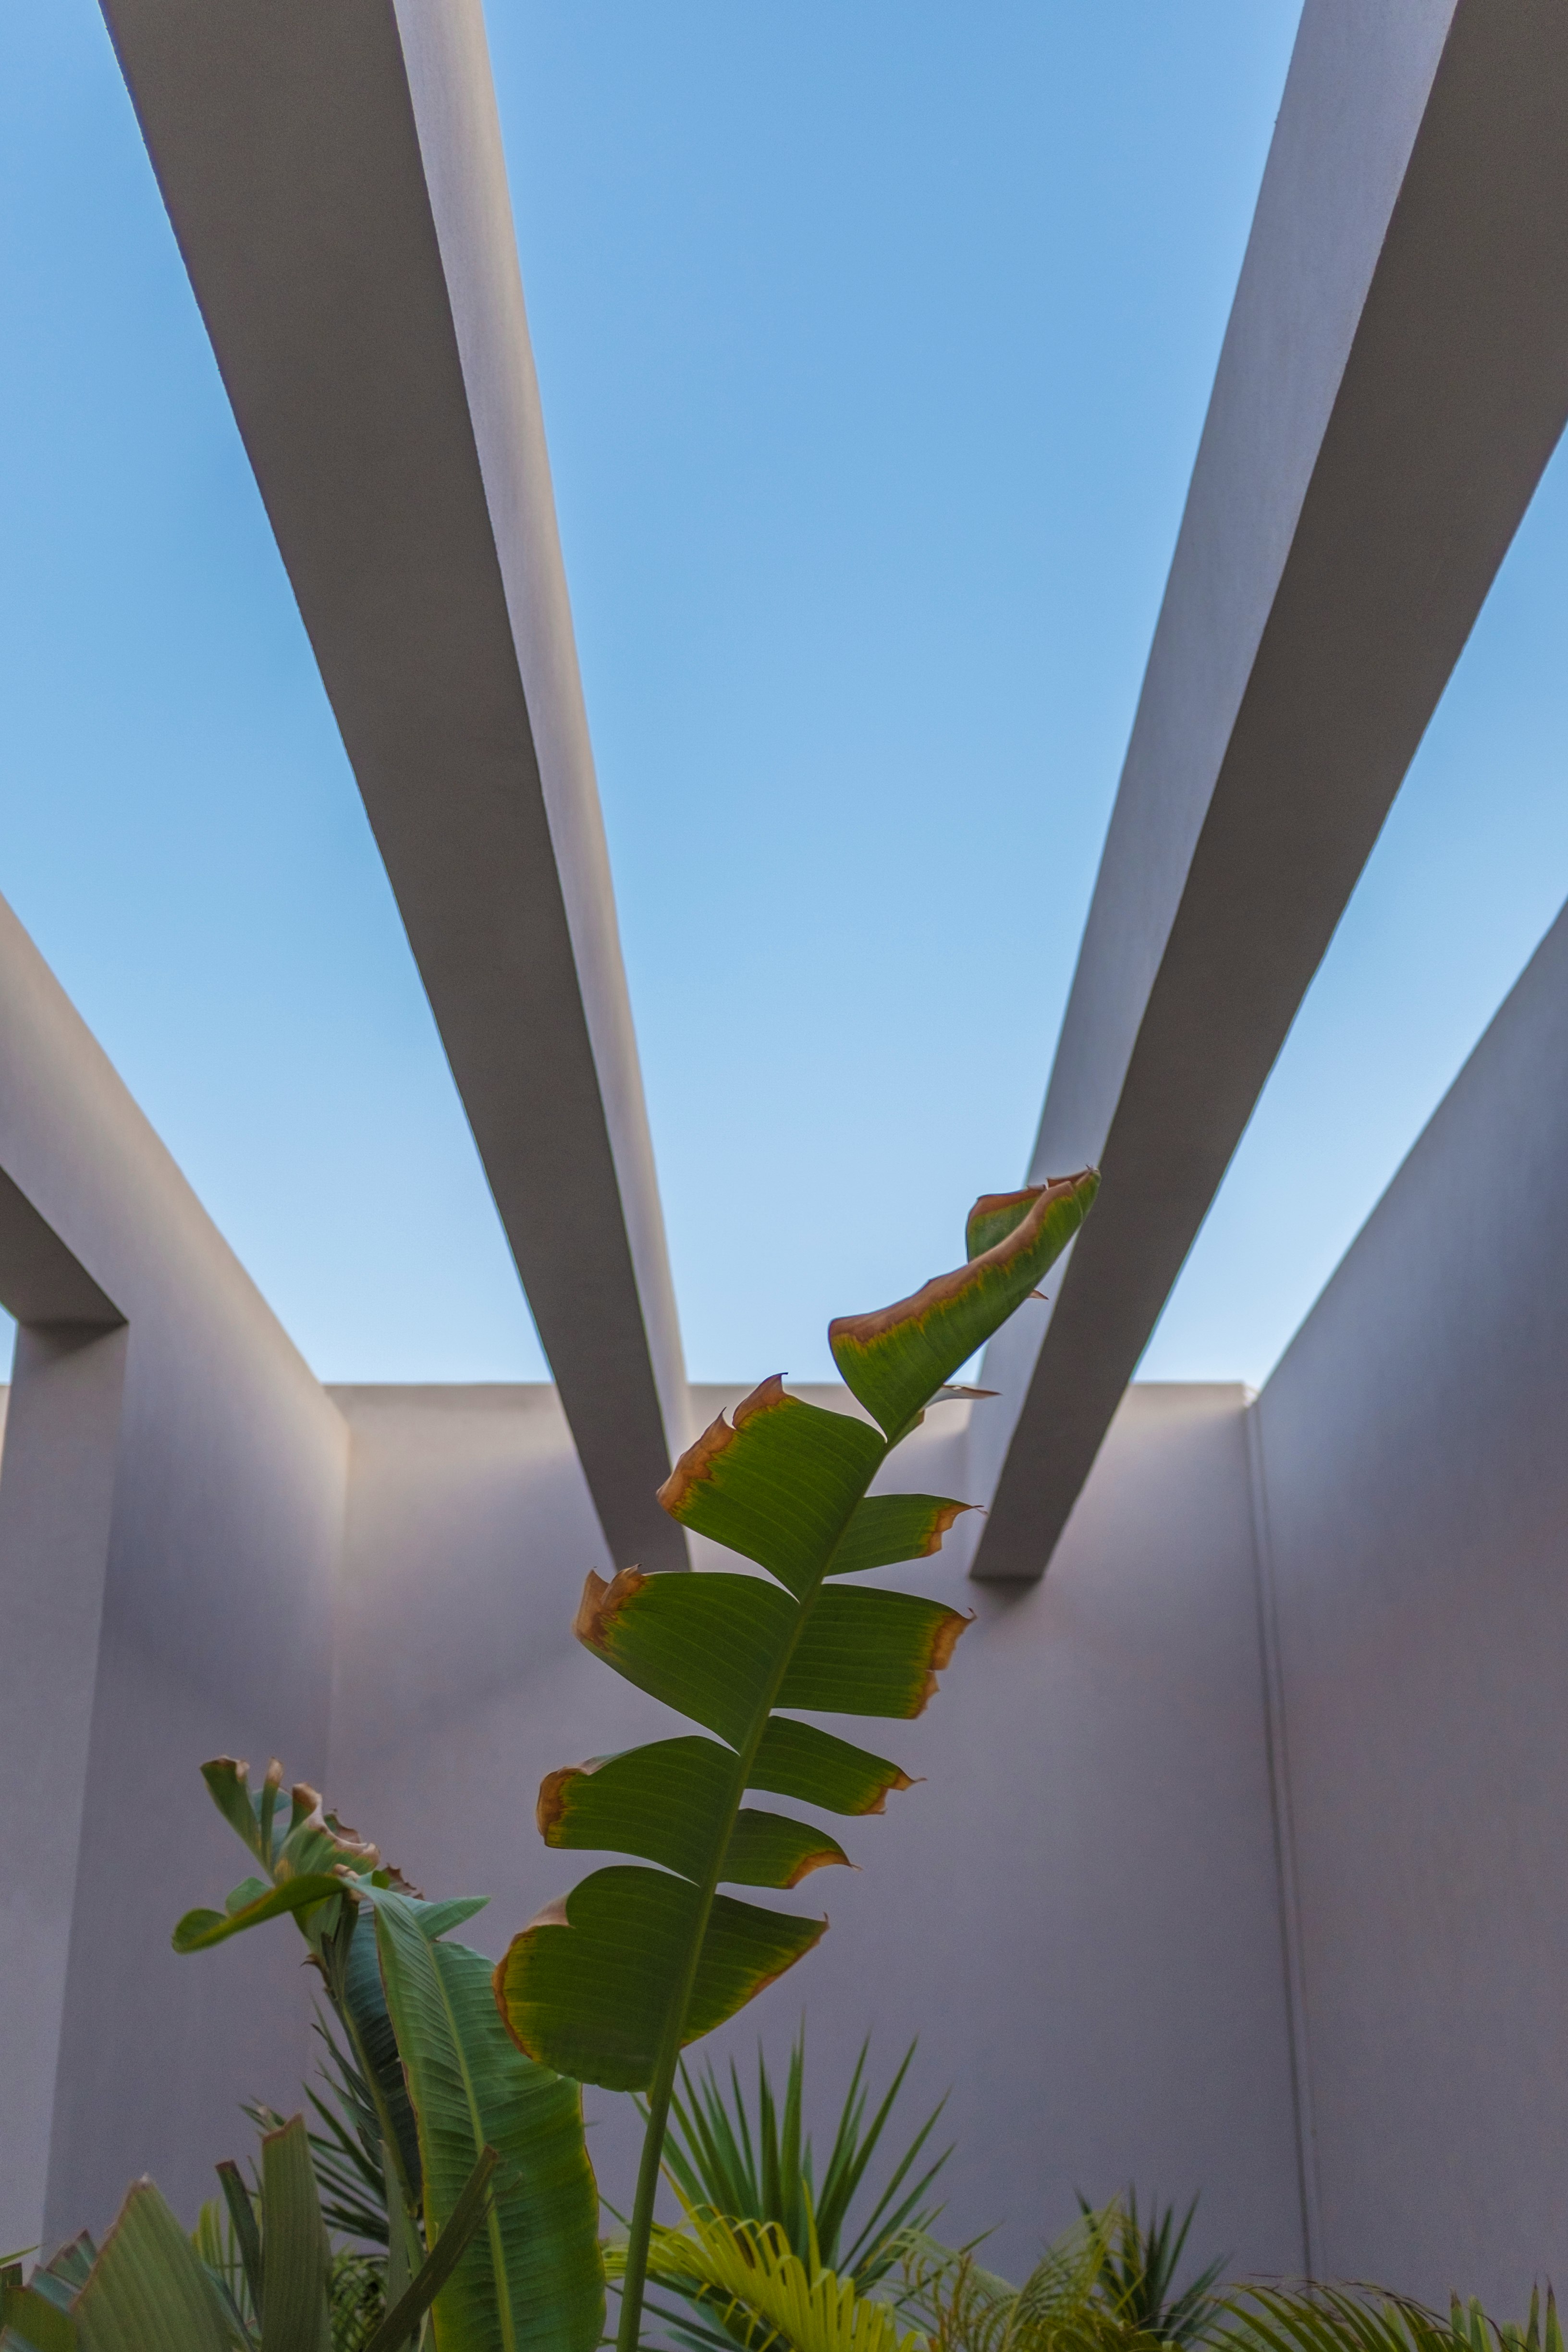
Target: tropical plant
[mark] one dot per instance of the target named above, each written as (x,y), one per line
(1064,2304)
(345,2144)
(1139,2273)
(258,2275)
(724,2159)
(1313,2318)
(612,1983)
(767,2293)
(442,2095)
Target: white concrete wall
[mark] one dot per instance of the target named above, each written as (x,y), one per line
(171,1513)
(1415,1451)
(1076,1909)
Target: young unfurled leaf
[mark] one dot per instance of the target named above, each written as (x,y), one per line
(895,1359)
(589,1988)
(996,1214)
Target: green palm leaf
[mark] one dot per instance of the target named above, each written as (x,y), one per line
(751,2274)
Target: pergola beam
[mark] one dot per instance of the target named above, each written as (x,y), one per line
(335,173)
(1393,380)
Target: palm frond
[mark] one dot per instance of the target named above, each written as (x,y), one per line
(1138,2276)
(1362,2318)
(759,2165)
(1061,2306)
(753,2277)
(345,2144)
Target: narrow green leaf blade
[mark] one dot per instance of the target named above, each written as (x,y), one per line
(147,2289)
(866,1652)
(296,2315)
(896,1358)
(887,1529)
(776,1482)
(533,2278)
(706,1645)
(238,2198)
(465,2218)
(770,1850)
(667,1802)
(198,1931)
(800,1760)
(585,1988)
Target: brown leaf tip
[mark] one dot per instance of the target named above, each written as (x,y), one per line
(694,1465)
(954,1624)
(939,1526)
(773,1976)
(602,1603)
(858,1333)
(893,1786)
(818,1859)
(766,1397)
(991,1204)
(553,1916)
(944,1640)
(550,1809)
(698,1461)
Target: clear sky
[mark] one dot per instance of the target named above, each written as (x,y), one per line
(875,342)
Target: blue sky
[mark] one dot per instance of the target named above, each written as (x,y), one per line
(875,341)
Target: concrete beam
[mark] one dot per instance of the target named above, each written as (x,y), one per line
(335,177)
(1393,380)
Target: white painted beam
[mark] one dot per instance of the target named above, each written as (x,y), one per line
(1394,379)
(334,174)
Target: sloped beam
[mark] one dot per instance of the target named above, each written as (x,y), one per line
(1393,380)
(334,174)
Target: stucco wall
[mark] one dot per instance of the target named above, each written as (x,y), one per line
(171,1513)
(1416,1449)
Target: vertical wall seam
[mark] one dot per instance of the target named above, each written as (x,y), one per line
(1277,1747)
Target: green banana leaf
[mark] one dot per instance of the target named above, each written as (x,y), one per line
(611,1984)
(444,2082)
(147,2290)
(533,2278)
(296,2315)
(30,2317)
(637,1962)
